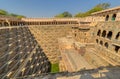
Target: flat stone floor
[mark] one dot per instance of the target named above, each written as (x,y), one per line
(76,60)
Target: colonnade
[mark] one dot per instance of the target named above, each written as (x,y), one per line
(11,23)
(22,23)
(50,22)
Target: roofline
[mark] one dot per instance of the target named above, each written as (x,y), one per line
(115,8)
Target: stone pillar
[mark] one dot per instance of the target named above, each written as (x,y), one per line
(110,17)
(8,23)
(118,17)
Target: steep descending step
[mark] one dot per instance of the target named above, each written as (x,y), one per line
(110,61)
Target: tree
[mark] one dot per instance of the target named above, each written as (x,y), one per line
(104,5)
(17,16)
(97,8)
(3,12)
(59,16)
(14,15)
(67,14)
(64,14)
(79,14)
(20,16)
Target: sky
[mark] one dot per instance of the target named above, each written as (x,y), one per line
(49,8)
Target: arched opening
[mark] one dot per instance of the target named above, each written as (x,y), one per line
(96,40)
(101,42)
(10,23)
(109,35)
(113,17)
(104,33)
(107,18)
(99,32)
(0,24)
(106,45)
(75,34)
(118,35)
(117,48)
(6,24)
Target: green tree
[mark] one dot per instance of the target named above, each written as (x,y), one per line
(17,16)
(14,15)
(3,12)
(103,5)
(97,8)
(64,14)
(80,14)
(59,16)
(20,16)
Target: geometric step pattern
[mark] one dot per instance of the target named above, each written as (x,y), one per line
(20,54)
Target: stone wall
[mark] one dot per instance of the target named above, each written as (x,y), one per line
(82,34)
(107,40)
(47,37)
(102,43)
